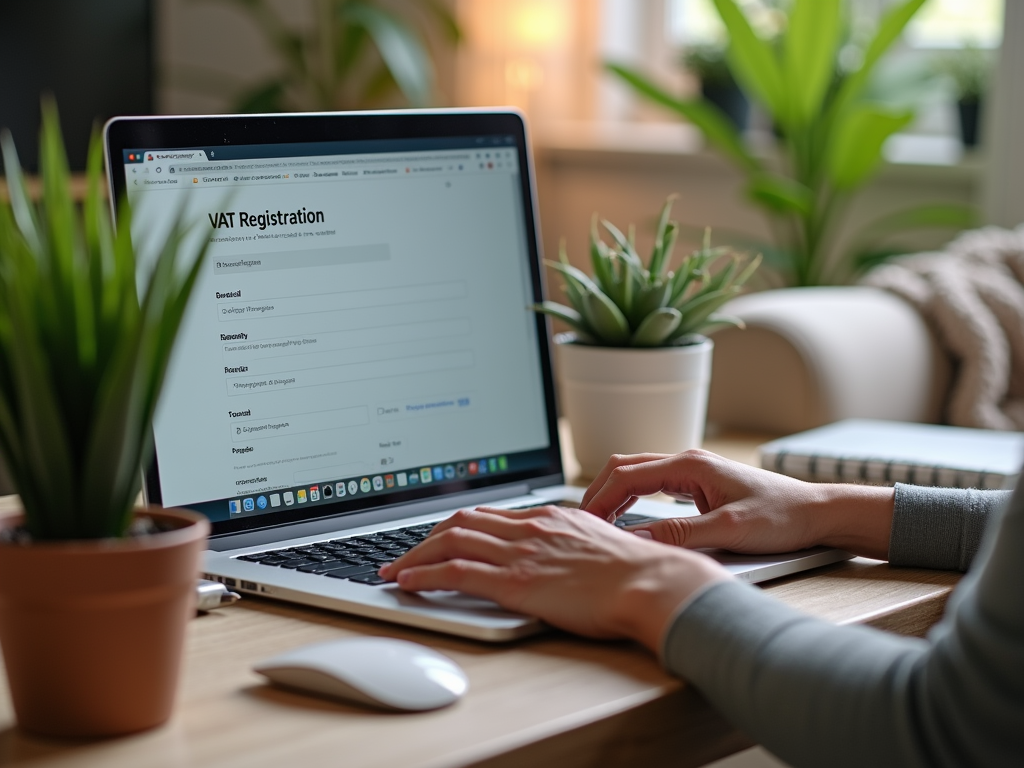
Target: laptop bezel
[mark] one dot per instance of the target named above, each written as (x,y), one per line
(201,132)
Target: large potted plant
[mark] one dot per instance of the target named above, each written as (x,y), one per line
(634,375)
(95,594)
(830,135)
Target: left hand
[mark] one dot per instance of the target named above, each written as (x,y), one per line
(562,565)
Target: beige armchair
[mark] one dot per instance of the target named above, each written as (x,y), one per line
(809,356)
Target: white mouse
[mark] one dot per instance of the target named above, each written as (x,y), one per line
(382,672)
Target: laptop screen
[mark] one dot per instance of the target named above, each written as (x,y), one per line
(360,333)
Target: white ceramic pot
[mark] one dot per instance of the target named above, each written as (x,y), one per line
(621,400)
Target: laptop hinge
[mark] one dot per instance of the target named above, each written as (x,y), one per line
(358,519)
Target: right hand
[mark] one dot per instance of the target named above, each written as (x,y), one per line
(744,509)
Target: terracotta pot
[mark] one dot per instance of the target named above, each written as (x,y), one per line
(92,631)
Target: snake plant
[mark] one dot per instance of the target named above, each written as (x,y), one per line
(629,304)
(81,360)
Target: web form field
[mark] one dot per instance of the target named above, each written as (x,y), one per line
(299,423)
(229,311)
(318,343)
(316,257)
(343,374)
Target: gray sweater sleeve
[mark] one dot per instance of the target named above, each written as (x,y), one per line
(817,694)
(940,527)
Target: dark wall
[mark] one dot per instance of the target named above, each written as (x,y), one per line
(94,56)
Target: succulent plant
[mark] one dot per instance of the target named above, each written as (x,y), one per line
(628,304)
(81,360)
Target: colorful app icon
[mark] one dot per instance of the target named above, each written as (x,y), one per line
(493,464)
(460,469)
(389,481)
(482,466)
(289,499)
(439,473)
(449,472)
(502,463)
(364,485)
(301,493)
(339,489)
(314,493)
(248,505)
(235,507)
(378,483)
(425,475)
(261,502)
(403,479)
(327,490)
(275,499)
(353,487)
(414,478)
(473,468)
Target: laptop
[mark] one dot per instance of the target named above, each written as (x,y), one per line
(358,360)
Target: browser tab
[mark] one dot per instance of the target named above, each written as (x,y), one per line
(152,157)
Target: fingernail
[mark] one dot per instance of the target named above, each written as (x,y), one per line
(643,534)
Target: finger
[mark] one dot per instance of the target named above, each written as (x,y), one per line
(674,475)
(495,522)
(472,578)
(714,530)
(627,482)
(615,461)
(457,543)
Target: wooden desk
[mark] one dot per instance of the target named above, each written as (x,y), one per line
(551,700)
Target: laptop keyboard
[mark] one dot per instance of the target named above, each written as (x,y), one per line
(358,558)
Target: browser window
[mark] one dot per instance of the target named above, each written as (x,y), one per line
(360,326)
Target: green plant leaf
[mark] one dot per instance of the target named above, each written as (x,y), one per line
(857,148)
(711,121)
(566,314)
(662,236)
(600,258)
(809,55)
(656,328)
(650,299)
(754,62)
(265,97)
(891,26)
(605,319)
(400,48)
(939,215)
(781,194)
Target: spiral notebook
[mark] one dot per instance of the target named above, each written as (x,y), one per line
(887,452)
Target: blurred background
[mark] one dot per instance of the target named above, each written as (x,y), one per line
(600,145)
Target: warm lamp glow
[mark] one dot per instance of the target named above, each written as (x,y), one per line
(539,24)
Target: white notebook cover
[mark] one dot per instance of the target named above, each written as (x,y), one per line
(876,451)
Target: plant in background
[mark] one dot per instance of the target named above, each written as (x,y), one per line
(710,64)
(355,54)
(81,360)
(629,304)
(968,69)
(830,135)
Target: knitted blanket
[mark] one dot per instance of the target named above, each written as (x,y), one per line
(972,295)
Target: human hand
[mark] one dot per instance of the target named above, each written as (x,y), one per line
(744,509)
(561,565)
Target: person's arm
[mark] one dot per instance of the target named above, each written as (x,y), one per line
(820,695)
(814,693)
(754,511)
(940,527)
